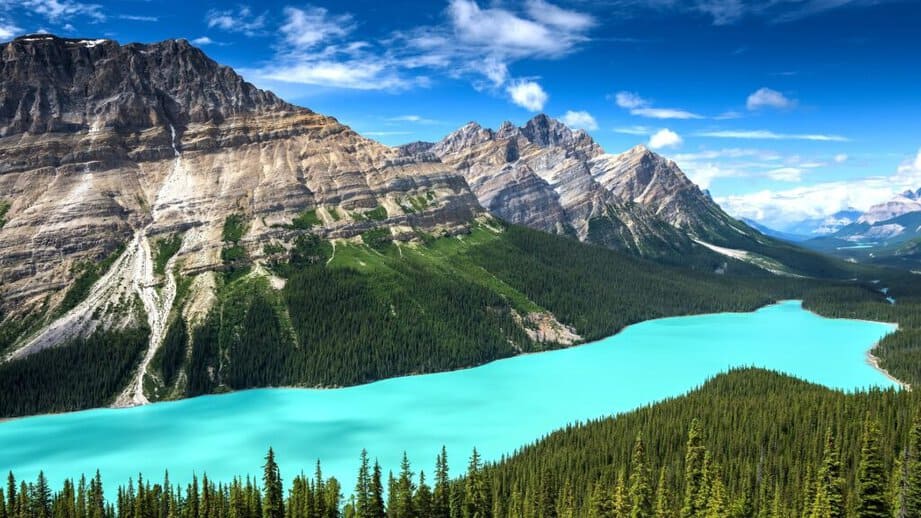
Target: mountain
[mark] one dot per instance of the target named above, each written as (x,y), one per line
(793,238)
(887,234)
(908,201)
(170,230)
(818,227)
(549,177)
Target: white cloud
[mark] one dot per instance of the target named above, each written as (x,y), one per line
(8,30)
(579,119)
(353,74)
(712,154)
(780,208)
(549,31)
(527,94)
(769,135)
(202,40)
(57,11)
(629,100)
(634,130)
(320,48)
(643,108)
(415,119)
(385,133)
(554,16)
(138,18)
(242,21)
(767,98)
(728,116)
(786,174)
(841,158)
(305,28)
(664,138)
(664,113)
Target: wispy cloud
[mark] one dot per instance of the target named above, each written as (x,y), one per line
(543,30)
(768,98)
(321,48)
(306,28)
(8,30)
(385,133)
(415,119)
(783,207)
(580,120)
(634,130)
(202,41)
(769,135)
(242,20)
(56,11)
(641,107)
(138,18)
(728,12)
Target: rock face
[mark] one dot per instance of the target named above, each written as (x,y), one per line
(549,177)
(896,220)
(104,145)
(904,203)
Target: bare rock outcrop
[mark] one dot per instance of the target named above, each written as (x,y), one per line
(100,142)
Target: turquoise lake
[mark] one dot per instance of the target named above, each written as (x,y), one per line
(496,407)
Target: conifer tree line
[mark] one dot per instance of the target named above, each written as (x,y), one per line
(829,455)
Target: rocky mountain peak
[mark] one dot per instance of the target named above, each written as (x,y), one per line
(912,195)
(546,131)
(54,84)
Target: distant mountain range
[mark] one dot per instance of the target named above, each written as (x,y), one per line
(888,233)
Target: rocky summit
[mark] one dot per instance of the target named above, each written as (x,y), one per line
(549,177)
(103,144)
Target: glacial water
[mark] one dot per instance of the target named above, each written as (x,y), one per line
(496,407)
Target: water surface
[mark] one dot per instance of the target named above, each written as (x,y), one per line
(497,407)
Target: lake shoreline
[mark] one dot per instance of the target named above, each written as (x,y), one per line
(871,360)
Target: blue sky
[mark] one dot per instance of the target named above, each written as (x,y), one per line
(784,109)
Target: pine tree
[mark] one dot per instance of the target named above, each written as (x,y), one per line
(362,496)
(640,491)
(376,493)
(913,483)
(716,506)
(319,487)
(871,476)
(405,491)
(547,494)
(441,497)
(423,498)
(663,506)
(600,505)
(41,497)
(565,504)
(333,498)
(620,507)
(828,501)
(897,482)
(11,495)
(476,491)
(272,504)
(694,472)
